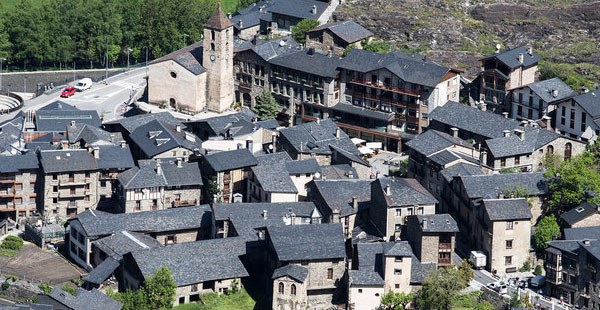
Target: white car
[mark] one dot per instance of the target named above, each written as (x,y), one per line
(83,84)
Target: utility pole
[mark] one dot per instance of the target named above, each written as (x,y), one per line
(146,61)
(1,60)
(128,51)
(106,70)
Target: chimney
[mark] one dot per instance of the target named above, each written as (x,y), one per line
(254,38)
(249,144)
(123,143)
(505,114)
(330,53)
(241,23)
(72,123)
(337,132)
(264,214)
(530,50)
(586,242)
(239,146)
(314,10)
(318,121)
(555,93)
(506,133)
(424,224)
(274,141)
(178,128)
(500,195)
(454,132)
(96,152)
(112,137)
(354,203)
(520,133)
(311,51)
(335,216)
(179,162)
(498,46)
(521,58)
(158,168)
(388,190)
(229,15)
(483,157)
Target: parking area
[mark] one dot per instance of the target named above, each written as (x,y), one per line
(37,265)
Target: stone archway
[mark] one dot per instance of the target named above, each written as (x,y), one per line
(173,103)
(247,100)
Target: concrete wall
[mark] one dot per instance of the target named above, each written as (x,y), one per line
(365,297)
(399,283)
(496,247)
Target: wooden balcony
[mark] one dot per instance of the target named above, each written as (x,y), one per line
(184,203)
(386,87)
(444,261)
(445,246)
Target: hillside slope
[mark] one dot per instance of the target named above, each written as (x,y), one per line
(565,33)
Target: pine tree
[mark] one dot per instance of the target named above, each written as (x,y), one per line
(266,106)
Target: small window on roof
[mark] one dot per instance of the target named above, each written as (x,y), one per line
(579,210)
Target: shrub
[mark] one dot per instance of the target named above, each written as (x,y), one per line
(69,289)
(45,288)
(5,286)
(12,243)
(526,267)
(538,270)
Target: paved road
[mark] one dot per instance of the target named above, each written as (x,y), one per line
(106,98)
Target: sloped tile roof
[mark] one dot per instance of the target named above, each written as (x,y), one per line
(432,141)
(546,90)
(296,272)
(338,194)
(308,242)
(436,223)
(404,192)
(366,278)
(511,57)
(230,160)
(507,209)
(347,30)
(490,186)
(218,20)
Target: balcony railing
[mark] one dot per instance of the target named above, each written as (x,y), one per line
(72,182)
(184,203)
(386,87)
(445,246)
(444,261)
(70,195)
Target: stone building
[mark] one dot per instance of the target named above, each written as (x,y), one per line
(158,139)
(315,250)
(199,76)
(579,117)
(336,37)
(537,101)
(433,238)
(176,225)
(584,215)
(503,72)
(206,266)
(19,185)
(393,200)
(228,173)
(160,184)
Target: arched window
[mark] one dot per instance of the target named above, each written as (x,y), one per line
(281,288)
(293,289)
(550,149)
(568,150)
(212,35)
(212,47)
(172,103)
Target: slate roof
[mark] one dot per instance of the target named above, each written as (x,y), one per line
(366,232)
(317,137)
(321,65)
(511,57)
(581,212)
(298,8)
(67,161)
(218,20)
(274,179)
(507,209)
(343,171)
(57,116)
(230,160)
(269,49)
(437,223)
(308,242)
(409,68)
(294,271)
(85,300)
(102,272)
(278,158)
(246,217)
(347,30)
(146,175)
(512,145)
(581,233)
(405,192)
(218,124)
(16,163)
(590,102)
(490,186)
(353,157)
(124,242)
(92,135)
(10,133)
(461,169)
(365,278)
(370,258)
(356,110)
(338,194)
(400,248)
(156,137)
(547,88)
(565,245)
(309,165)
(593,248)
(449,156)
(98,223)
(268,124)
(114,157)
(195,262)
(133,122)
(433,141)
(251,15)
(420,271)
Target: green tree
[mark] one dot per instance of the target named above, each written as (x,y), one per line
(266,106)
(299,31)
(440,288)
(547,229)
(132,300)
(568,182)
(377,46)
(396,301)
(465,271)
(159,289)
(551,161)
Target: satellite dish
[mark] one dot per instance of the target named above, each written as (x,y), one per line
(317,175)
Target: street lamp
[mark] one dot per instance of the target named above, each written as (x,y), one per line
(1,60)
(128,51)
(24,84)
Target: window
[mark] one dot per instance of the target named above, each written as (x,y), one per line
(583,121)
(562,115)
(397,286)
(398,212)
(409,211)
(54,189)
(509,225)
(503,162)
(194,287)
(293,289)
(54,177)
(398,259)
(330,274)
(420,210)
(281,288)
(360,290)
(509,244)
(398,272)
(398,227)
(507,260)
(102,183)
(572,119)
(517,160)
(138,205)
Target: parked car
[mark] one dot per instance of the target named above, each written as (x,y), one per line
(68,92)
(537,281)
(83,84)
(523,283)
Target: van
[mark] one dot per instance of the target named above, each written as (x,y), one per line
(537,281)
(83,84)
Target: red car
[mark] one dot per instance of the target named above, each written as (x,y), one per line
(68,92)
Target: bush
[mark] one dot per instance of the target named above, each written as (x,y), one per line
(69,289)
(45,288)
(538,270)
(12,243)
(5,286)
(526,267)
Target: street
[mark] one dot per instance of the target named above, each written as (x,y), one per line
(106,98)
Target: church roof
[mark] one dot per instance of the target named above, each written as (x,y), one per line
(218,20)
